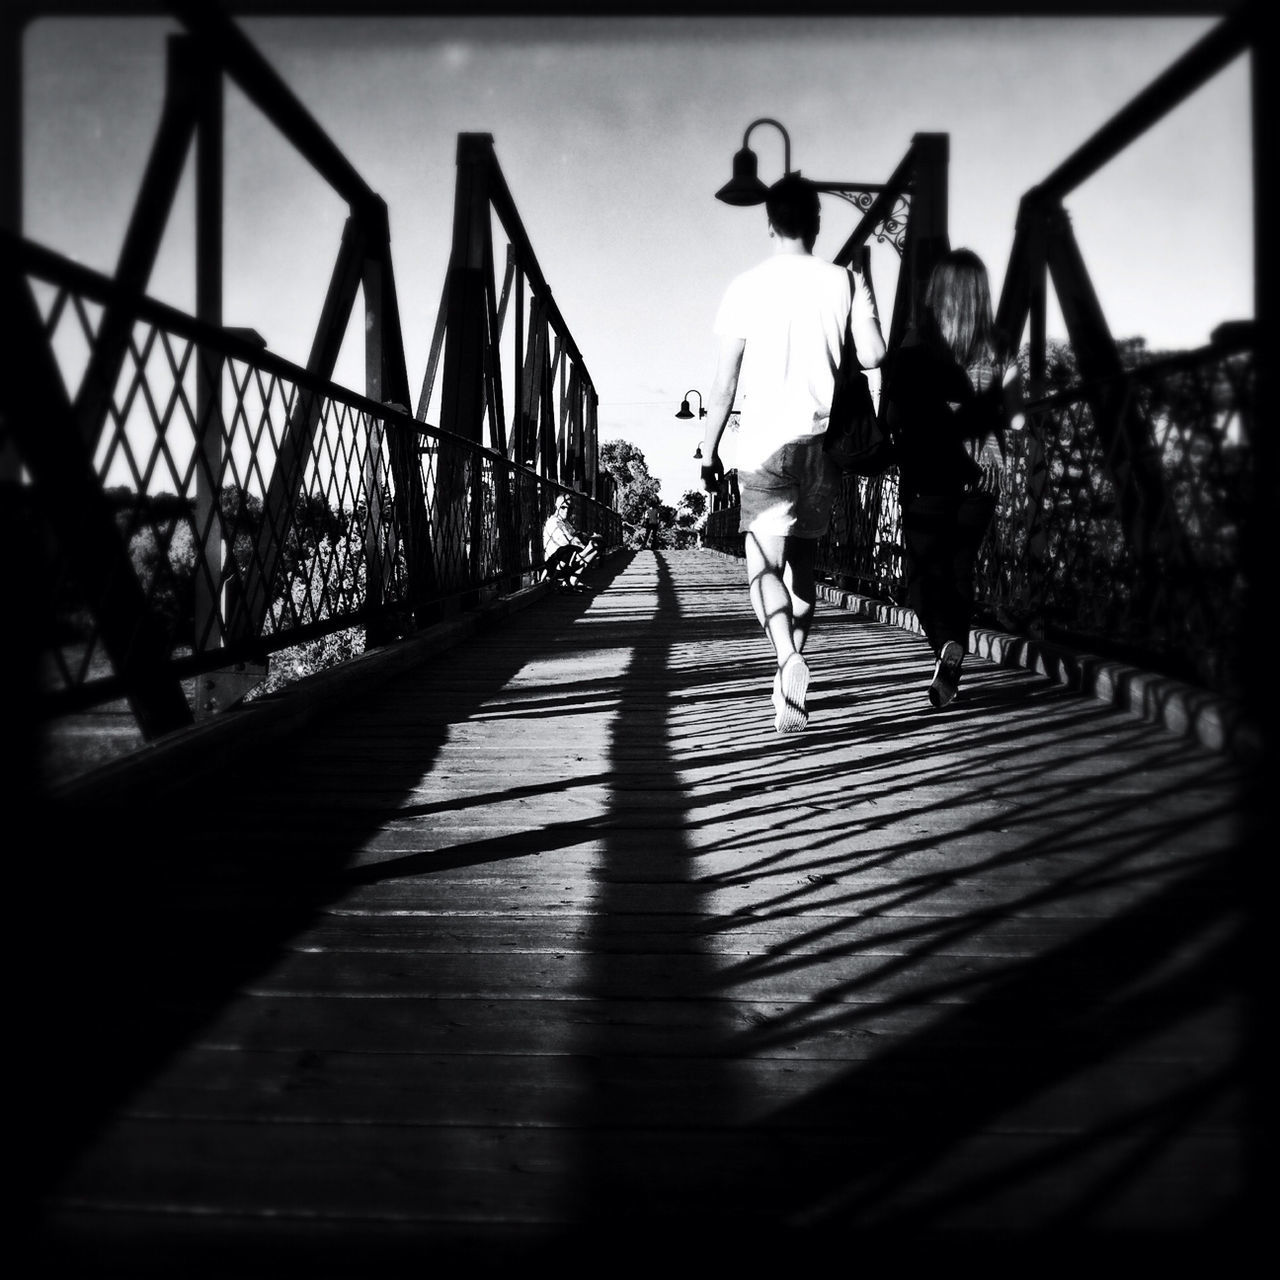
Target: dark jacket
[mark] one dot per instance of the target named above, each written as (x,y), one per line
(932,411)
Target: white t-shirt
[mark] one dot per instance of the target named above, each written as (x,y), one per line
(791,312)
(556,533)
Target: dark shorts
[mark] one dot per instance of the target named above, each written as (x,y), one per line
(791,493)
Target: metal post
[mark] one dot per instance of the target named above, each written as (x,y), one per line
(462,390)
(927,237)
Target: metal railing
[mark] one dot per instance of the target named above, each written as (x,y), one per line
(1059,560)
(201,570)
(1123,505)
(187,504)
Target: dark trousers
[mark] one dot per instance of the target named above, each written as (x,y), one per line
(564,563)
(943,533)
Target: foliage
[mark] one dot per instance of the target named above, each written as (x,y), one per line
(1062,370)
(1141,529)
(329,580)
(321,562)
(688,519)
(637,490)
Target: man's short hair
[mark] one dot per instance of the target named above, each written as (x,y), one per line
(792,206)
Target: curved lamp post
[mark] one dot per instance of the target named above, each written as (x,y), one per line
(745,187)
(685,412)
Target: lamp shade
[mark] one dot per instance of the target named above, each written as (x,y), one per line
(745,186)
(684,411)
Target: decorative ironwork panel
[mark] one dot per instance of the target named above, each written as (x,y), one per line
(1169,593)
(892,228)
(1171,586)
(863,546)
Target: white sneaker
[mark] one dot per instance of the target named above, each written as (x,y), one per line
(790,686)
(946,674)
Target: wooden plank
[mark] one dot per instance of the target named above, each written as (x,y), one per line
(679,1029)
(856,978)
(338,1086)
(477,1176)
(678,935)
(557,933)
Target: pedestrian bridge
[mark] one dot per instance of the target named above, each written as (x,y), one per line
(393,909)
(548,941)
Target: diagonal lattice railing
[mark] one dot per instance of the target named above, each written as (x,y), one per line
(1170,589)
(193,503)
(206,573)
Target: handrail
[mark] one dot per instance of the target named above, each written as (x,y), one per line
(47,264)
(1126,499)
(348,491)
(1238,342)
(261,505)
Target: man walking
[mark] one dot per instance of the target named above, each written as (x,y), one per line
(652,523)
(780,331)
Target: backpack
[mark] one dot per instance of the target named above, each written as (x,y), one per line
(856,440)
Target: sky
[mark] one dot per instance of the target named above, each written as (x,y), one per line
(613,135)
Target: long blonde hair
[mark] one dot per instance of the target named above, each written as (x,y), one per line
(958,307)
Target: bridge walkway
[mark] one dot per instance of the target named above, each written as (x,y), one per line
(552,943)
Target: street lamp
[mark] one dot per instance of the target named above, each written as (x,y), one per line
(731,425)
(684,411)
(745,188)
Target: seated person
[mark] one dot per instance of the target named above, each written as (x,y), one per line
(565,555)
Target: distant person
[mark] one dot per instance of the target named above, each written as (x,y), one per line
(949,394)
(652,523)
(565,554)
(781,330)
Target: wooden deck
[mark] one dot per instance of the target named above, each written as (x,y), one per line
(552,944)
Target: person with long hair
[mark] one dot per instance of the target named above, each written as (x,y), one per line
(950,392)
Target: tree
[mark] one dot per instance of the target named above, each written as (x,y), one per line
(1062,371)
(637,489)
(690,515)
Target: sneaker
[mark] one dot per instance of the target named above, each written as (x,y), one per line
(790,686)
(946,674)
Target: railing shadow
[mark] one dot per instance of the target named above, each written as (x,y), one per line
(815,1015)
(166,909)
(854,1162)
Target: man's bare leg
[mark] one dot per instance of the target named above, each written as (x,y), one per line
(771,580)
(770,596)
(800,555)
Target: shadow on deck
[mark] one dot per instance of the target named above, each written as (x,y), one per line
(551,944)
